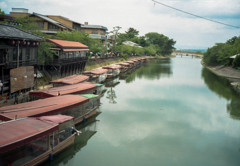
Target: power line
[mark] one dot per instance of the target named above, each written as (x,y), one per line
(156,2)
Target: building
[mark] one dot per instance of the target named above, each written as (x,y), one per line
(18,59)
(46,24)
(132,44)
(70,58)
(95,31)
(67,22)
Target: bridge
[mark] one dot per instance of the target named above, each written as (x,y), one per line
(178,52)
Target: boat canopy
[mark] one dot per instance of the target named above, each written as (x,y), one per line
(73,79)
(98,85)
(112,67)
(55,118)
(64,90)
(19,132)
(124,64)
(89,96)
(41,107)
(97,71)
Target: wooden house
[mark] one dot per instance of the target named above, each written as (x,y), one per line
(70,58)
(18,59)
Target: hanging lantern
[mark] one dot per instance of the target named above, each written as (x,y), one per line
(28,43)
(18,42)
(38,43)
(12,42)
(24,42)
(33,43)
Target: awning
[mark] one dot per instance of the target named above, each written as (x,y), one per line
(68,50)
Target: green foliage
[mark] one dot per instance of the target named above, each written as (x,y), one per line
(163,45)
(220,53)
(45,54)
(27,23)
(125,56)
(150,50)
(236,62)
(1,12)
(131,33)
(153,43)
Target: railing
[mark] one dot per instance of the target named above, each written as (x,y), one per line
(68,60)
(14,64)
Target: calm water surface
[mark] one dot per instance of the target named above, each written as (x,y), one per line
(168,112)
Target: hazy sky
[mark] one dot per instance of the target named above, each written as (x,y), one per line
(143,15)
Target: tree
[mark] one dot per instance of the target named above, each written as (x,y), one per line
(220,53)
(131,33)
(162,43)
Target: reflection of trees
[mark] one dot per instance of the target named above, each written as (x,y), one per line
(222,88)
(155,69)
(111,95)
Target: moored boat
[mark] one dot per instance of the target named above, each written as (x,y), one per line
(70,80)
(98,75)
(30,141)
(77,106)
(113,70)
(81,88)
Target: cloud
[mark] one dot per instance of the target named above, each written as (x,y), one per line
(188,31)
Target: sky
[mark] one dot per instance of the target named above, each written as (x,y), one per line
(146,16)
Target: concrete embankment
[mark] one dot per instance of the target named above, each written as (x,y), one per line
(233,75)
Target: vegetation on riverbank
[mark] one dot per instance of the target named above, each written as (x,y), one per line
(151,43)
(220,53)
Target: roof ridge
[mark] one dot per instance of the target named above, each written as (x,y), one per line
(22,30)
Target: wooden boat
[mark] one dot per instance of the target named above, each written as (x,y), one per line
(70,80)
(113,70)
(89,108)
(66,105)
(81,88)
(98,75)
(79,107)
(30,141)
(132,64)
(124,66)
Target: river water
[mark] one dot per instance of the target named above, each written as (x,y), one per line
(167,112)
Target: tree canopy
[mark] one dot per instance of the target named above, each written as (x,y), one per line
(153,43)
(220,53)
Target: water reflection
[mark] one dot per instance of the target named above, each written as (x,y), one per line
(87,129)
(157,69)
(222,88)
(111,94)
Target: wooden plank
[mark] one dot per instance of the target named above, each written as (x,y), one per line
(21,78)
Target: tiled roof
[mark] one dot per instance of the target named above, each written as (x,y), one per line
(94,27)
(52,21)
(8,31)
(64,43)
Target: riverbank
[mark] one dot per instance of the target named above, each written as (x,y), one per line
(93,64)
(233,75)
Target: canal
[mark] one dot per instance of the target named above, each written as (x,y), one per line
(167,112)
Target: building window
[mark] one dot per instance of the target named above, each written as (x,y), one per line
(40,24)
(51,26)
(82,30)
(95,31)
(102,32)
